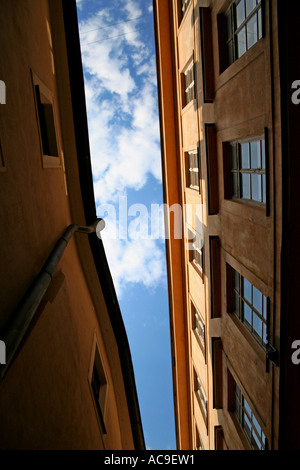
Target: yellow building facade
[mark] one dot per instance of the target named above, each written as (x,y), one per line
(221,71)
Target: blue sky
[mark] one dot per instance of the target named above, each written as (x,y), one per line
(118,52)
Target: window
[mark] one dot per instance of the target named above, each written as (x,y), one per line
(193,177)
(243,26)
(196,250)
(250,306)
(201,397)
(98,384)
(248,421)
(184,5)
(199,328)
(247,171)
(44,102)
(189,84)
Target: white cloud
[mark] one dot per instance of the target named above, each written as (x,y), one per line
(134,262)
(79,3)
(120,78)
(132,9)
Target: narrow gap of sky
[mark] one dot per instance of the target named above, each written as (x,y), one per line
(118,54)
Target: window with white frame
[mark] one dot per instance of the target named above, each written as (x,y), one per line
(247,169)
(189,84)
(195,250)
(193,176)
(199,327)
(243,28)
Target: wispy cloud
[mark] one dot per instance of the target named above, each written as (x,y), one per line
(120,84)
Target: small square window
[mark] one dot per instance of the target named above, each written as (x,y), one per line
(195,246)
(189,84)
(193,174)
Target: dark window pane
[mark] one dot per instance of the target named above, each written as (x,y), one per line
(229,28)
(235,186)
(234,164)
(237,304)
(237,278)
(230,53)
(245,186)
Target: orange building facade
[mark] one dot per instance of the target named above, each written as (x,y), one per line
(70,381)
(229,154)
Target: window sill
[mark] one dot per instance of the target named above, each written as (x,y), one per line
(197,269)
(51,162)
(203,348)
(240,432)
(192,103)
(184,15)
(243,330)
(248,210)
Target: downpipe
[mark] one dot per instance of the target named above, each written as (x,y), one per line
(18,324)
